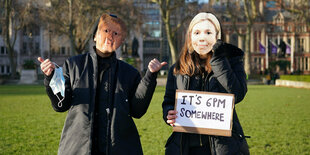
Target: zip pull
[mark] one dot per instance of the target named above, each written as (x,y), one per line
(108,111)
(244,136)
(200,141)
(108,127)
(203,82)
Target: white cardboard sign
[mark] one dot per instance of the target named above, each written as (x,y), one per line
(204,112)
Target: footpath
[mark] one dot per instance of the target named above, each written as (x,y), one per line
(163,81)
(295,84)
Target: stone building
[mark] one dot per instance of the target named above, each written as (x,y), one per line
(279,27)
(276,31)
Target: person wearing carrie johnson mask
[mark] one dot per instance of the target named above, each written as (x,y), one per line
(102,94)
(208,64)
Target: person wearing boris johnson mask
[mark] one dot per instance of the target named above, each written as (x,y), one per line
(101,94)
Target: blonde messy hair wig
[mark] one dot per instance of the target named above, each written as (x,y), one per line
(110,18)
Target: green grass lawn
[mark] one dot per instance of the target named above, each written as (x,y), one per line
(276,118)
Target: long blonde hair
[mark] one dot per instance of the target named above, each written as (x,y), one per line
(189,60)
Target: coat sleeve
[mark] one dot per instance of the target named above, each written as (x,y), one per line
(143,94)
(169,98)
(229,71)
(59,103)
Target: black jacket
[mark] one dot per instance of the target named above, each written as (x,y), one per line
(227,76)
(131,99)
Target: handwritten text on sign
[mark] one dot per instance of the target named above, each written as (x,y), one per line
(204,110)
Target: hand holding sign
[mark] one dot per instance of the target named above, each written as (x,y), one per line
(172,115)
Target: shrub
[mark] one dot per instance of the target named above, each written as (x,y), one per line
(29,64)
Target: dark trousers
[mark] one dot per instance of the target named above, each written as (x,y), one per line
(199,151)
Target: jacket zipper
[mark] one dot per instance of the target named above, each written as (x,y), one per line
(203,81)
(108,109)
(203,89)
(211,148)
(200,140)
(95,74)
(108,126)
(181,144)
(181,139)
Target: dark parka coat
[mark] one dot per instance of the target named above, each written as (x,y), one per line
(227,76)
(131,99)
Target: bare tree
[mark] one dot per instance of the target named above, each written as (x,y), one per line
(15,15)
(301,8)
(237,13)
(75,18)
(168,9)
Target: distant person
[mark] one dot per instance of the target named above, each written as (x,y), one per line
(135,46)
(124,50)
(282,47)
(208,64)
(268,77)
(102,95)
(275,76)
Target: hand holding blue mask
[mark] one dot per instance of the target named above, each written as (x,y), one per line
(57,83)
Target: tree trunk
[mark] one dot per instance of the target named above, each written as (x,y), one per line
(247,64)
(12,62)
(171,43)
(72,45)
(71,36)
(8,37)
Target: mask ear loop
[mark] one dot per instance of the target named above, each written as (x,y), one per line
(60,100)
(56,65)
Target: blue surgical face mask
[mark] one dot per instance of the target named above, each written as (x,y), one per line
(57,83)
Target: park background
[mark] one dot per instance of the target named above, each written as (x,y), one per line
(276,118)
(274,34)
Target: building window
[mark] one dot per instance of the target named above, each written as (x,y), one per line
(31,30)
(302,64)
(5,69)
(2,71)
(234,39)
(68,50)
(3,50)
(30,45)
(8,69)
(63,50)
(37,49)
(53,52)
(24,50)
(307,68)
(151,44)
(300,45)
